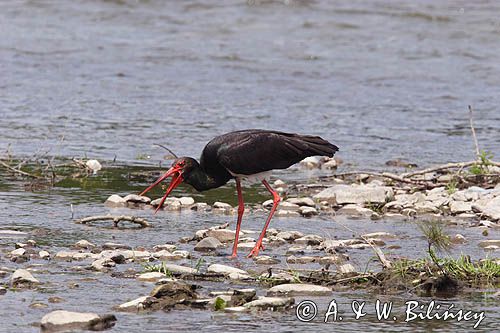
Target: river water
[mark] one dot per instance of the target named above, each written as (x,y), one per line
(107,79)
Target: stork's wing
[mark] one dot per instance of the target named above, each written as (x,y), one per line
(251,151)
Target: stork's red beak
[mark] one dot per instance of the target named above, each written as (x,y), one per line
(176,174)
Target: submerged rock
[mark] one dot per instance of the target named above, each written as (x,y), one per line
(134,305)
(299,289)
(61,320)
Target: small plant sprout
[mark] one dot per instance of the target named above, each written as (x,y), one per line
(437,240)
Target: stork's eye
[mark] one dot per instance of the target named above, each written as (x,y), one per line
(181,163)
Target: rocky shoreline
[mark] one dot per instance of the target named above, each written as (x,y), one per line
(195,271)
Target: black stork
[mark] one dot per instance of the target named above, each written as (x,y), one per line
(246,154)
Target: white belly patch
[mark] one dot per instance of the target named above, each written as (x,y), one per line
(252,179)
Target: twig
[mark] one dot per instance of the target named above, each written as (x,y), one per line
(377,174)
(446,166)
(5,165)
(115,219)
(473,132)
(380,255)
(167,149)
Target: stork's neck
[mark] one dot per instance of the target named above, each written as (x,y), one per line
(201,180)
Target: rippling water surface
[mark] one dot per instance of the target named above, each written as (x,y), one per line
(106,79)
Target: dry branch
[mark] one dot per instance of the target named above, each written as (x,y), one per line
(115,218)
(5,165)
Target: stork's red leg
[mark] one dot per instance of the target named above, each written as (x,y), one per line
(276,201)
(241,209)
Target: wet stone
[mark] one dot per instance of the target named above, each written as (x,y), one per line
(61,320)
(84,244)
(458,239)
(380,235)
(309,240)
(166,247)
(23,277)
(207,244)
(274,303)
(223,235)
(151,276)
(300,260)
(134,305)
(115,246)
(346,268)
(302,201)
(265,260)
(186,201)
(44,254)
(134,198)
(115,201)
(299,289)
(290,235)
(308,211)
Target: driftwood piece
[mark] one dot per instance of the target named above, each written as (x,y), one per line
(115,218)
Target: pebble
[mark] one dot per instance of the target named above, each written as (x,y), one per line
(102,264)
(286,213)
(178,269)
(356,194)
(334,259)
(115,246)
(222,205)
(380,235)
(223,235)
(186,201)
(458,239)
(226,270)
(18,252)
(166,247)
(346,268)
(300,260)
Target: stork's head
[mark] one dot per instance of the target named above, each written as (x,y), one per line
(179,170)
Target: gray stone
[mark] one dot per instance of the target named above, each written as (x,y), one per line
(178,269)
(207,244)
(290,235)
(346,268)
(286,213)
(134,198)
(236,309)
(458,239)
(457,207)
(308,211)
(300,260)
(222,205)
(22,276)
(61,320)
(265,260)
(166,247)
(356,194)
(309,240)
(103,264)
(354,210)
(299,289)
(274,303)
(305,201)
(223,235)
(491,209)
(84,244)
(186,201)
(333,259)
(490,242)
(44,254)
(12,234)
(18,252)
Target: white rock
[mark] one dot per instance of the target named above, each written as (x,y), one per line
(61,320)
(22,276)
(265,260)
(357,194)
(288,206)
(354,210)
(457,207)
(236,309)
(133,305)
(167,247)
(222,205)
(380,235)
(102,264)
(84,244)
(309,240)
(286,213)
(270,302)
(151,276)
(333,259)
(44,254)
(300,260)
(223,235)
(224,269)
(134,198)
(208,244)
(491,209)
(458,239)
(65,255)
(186,201)
(178,269)
(308,211)
(302,201)
(346,268)
(311,162)
(94,165)
(18,252)
(115,201)
(290,235)
(299,289)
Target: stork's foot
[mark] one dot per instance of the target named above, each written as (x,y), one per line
(255,250)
